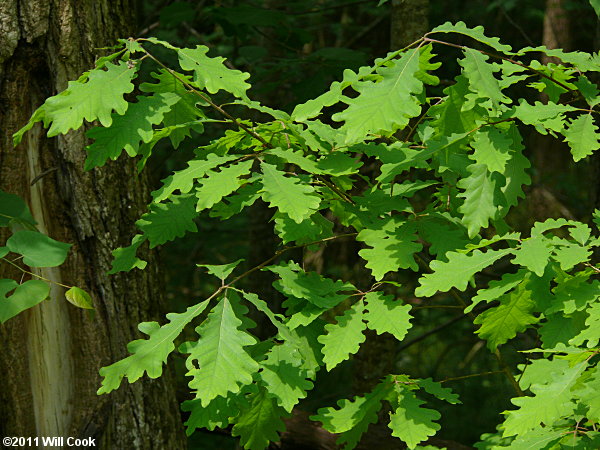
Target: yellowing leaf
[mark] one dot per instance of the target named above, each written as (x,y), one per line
(79,298)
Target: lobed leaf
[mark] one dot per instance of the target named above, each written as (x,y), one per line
(149,355)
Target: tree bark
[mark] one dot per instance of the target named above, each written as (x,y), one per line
(551,156)
(52,352)
(409,21)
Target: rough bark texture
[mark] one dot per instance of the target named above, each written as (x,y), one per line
(409,21)
(52,353)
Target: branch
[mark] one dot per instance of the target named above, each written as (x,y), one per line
(505,58)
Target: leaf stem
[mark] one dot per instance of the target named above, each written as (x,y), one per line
(35,274)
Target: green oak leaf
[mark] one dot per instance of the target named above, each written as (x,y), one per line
(260,423)
(128,130)
(94,96)
(410,422)
(344,337)
(125,259)
(149,355)
(211,74)
(386,315)
(457,271)
(223,364)
(289,195)
(167,221)
(582,136)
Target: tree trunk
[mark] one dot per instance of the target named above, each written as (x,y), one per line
(551,156)
(409,21)
(52,352)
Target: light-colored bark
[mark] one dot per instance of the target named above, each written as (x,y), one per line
(52,353)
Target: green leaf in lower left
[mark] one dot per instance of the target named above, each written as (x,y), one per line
(24,296)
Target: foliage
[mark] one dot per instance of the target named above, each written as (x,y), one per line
(445,173)
(27,245)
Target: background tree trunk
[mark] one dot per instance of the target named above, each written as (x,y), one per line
(551,157)
(409,21)
(52,352)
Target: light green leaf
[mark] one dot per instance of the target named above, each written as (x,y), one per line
(543,116)
(582,136)
(260,423)
(516,176)
(296,157)
(223,363)
(127,131)
(457,271)
(353,417)
(94,96)
(481,77)
(149,355)
(183,180)
(125,259)
(591,333)
(313,107)
(235,204)
(384,106)
(474,33)
(386,315)
(589,395)
(497,288)
(574,293)
(79,298)
(288,194)
(434,388)
(314,228)
(570,255)
(513,315)
(492,148)
(220,184)
(283,377)
(318,290)
(412,423)
(394,244)
(534,254)
(344,337)
(38,250)
(221,271)
(481,198)
(25,295)
(166,221)
(215,414)
(551,402)
(541,438)
(211,74)
(182,112)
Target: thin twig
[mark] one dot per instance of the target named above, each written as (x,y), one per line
(493,372)
(34,274)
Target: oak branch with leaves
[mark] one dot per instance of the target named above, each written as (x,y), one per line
(436,204)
